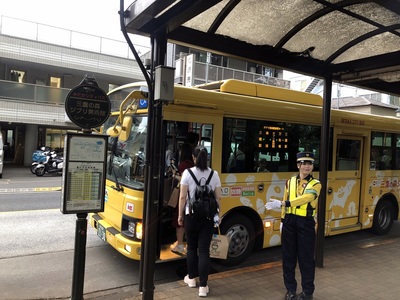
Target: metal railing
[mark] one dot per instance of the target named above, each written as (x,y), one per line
(204,73)
(67,38)
(32,92)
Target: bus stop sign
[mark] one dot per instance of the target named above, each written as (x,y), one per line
(87,106)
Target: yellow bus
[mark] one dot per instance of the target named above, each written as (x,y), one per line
(267,126)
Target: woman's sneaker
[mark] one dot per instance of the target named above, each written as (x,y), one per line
(178,248)
(203,291)
(190,282)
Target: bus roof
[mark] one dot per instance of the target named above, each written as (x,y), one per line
(274,103)
(271,99)
(240,87)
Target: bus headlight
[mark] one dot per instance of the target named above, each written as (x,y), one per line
(131,227)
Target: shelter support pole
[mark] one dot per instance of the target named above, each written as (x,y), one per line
(78,275)
(323,170)
(153,177)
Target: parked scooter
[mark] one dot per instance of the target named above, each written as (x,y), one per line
(53,164)
(39,156)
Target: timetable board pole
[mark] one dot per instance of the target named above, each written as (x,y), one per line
(78,275)
(83,192)
(84,169)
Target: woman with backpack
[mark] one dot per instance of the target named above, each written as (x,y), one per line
(198,231)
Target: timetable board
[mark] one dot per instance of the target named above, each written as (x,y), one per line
(84,173)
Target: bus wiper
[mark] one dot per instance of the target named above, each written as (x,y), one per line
(118,187)
(112,154)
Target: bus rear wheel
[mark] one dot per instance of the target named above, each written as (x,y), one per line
(240,230)
(383,218)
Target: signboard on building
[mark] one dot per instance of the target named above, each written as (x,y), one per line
(189,70)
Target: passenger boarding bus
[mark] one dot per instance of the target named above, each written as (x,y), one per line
(267,126)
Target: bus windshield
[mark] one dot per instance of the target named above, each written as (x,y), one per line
(118,96)
(125,163)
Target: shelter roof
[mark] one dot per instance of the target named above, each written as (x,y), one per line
(359,101)
(357,42)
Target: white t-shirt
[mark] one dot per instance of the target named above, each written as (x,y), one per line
(202,177)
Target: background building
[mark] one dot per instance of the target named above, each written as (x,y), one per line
(39,67)
(347,97)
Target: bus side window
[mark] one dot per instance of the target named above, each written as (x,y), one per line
(376,162)
(348,155)
(277,142)
(237,159)
(386,159)
(205,139)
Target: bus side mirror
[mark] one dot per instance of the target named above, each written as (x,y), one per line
(126,129)
(114,131)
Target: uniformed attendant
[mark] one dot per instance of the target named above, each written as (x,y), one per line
(298,230)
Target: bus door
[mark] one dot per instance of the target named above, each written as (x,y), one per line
(343,199)
(176,134)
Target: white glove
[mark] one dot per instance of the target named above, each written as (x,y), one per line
(217,220)
(273,204)
(280,227)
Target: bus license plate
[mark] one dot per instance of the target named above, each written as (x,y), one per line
(101,232)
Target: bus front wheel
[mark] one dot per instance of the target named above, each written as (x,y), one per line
(383,218)
(240,230)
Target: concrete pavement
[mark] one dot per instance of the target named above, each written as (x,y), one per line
(365,270)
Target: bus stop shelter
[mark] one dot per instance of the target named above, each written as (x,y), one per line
(352,42)
(357,42)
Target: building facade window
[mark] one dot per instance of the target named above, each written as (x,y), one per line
(55,82)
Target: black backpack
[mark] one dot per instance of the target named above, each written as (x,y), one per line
(203,205)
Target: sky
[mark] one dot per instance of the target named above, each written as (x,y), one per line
(96,17)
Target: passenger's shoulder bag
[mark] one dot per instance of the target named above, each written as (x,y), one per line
(219,246)
(174,198)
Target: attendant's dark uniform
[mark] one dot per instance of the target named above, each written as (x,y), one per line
(298,230)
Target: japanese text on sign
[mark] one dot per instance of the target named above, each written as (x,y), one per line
(87,149)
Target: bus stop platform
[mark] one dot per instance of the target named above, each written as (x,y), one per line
(366,269)
(361,270)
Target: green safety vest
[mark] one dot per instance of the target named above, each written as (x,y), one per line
(305,210)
